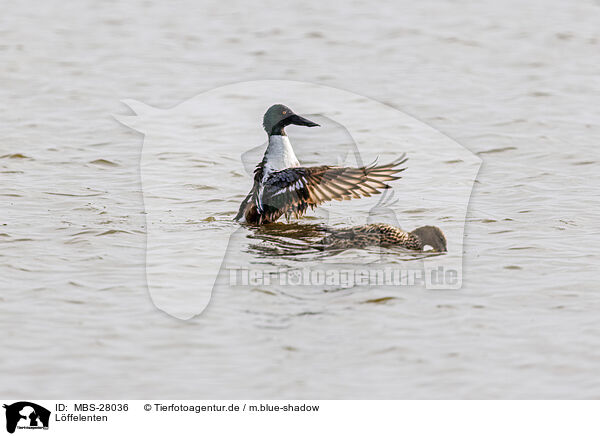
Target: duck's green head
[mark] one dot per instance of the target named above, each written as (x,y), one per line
(278,116)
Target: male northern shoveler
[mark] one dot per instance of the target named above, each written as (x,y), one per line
(283,187)
(384,235)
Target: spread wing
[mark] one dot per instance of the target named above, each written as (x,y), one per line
(295,189)
(258,175)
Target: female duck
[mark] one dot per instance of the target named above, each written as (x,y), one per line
(384,235)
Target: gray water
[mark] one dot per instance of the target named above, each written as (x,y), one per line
(516,84)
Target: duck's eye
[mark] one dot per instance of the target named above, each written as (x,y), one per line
(284,112)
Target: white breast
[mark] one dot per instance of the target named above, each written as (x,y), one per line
(280,154)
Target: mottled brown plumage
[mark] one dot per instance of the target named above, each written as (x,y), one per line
(384,235)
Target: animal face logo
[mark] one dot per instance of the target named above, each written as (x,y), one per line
(193,181)
(26,415)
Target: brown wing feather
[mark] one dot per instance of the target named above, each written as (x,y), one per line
(295,189)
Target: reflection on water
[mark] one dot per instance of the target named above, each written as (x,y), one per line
(285,241)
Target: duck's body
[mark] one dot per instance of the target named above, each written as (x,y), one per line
(283,187)
(384,235)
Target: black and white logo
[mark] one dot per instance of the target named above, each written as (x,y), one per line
(26,415)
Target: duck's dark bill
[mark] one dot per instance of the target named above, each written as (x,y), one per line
(300,121)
